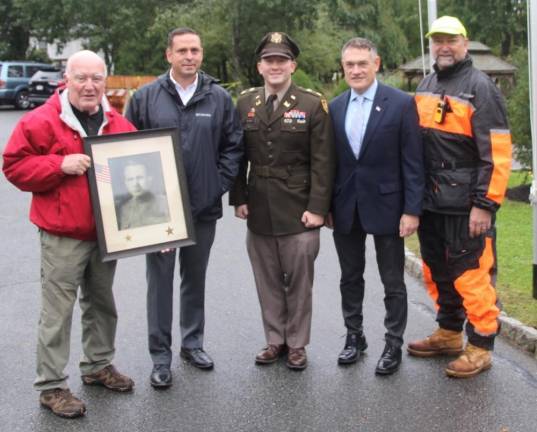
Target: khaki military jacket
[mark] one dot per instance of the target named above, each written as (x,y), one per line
(148,209)
(289,162)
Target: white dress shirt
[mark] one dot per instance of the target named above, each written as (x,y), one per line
(357,116)
(185,93)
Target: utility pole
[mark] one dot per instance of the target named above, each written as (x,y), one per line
(431,14)
(532,62)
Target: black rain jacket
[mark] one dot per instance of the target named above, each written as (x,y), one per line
(210,136)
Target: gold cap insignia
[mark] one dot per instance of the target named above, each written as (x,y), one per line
(276,38)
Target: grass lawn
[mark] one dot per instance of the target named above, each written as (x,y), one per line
(514,246)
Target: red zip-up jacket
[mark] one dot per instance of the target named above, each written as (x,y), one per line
(61,203)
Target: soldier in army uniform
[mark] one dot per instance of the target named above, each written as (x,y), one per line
(285,196)
(141,206)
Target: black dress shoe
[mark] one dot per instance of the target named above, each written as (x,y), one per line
(389,361)
(355,345)
(197,357)
(161,376)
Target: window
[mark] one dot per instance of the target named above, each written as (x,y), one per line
(30,70)
(14,71)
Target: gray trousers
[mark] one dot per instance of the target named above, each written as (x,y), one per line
(193,261)
(283,269)
(67,264)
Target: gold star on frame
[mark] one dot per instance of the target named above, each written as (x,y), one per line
(169,230)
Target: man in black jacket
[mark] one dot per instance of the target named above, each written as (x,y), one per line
(211,141)
(467,146)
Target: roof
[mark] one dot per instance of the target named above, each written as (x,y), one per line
(481,55)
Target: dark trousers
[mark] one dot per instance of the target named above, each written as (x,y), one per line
(193,261)
(390,250)
(460,275)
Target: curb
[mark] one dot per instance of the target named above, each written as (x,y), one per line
(520,335)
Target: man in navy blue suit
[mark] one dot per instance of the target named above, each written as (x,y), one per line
(378,190)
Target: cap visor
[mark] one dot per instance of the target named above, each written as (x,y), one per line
(276,54)
(444,31)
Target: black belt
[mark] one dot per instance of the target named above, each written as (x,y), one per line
(451,164)
(278,172)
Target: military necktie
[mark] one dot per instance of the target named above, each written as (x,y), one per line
(270,104)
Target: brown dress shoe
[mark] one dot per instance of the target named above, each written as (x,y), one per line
(441,342)
(62,403)
(270,354)
(471,362)
(297,359)
(110,378)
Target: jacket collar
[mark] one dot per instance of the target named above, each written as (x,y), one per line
(68,116)
(456,68)
(288,101)
(204,85)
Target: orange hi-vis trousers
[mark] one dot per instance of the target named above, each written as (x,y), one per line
(460,274)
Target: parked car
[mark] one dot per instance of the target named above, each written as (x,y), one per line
(14,77)
(43,84)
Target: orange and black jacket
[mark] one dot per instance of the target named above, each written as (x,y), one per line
(466,140)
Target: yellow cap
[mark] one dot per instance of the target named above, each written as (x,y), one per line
(447,25)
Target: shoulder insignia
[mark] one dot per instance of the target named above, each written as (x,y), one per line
(324,105)
(251,89)
(314,92)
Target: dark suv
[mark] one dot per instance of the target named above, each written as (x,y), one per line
(14,77)
(43,84)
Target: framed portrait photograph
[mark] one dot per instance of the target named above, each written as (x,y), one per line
(139,192)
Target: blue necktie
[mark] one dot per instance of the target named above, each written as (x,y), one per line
(358,126)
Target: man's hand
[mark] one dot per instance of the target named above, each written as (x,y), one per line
(408,225)
(329,222)
(75,164)
(479,222)
(241,211)
(312,220)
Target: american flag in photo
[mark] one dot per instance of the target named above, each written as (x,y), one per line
(102,173)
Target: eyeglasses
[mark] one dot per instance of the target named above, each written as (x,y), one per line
(81,79)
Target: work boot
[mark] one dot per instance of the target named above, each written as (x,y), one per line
(62,403)
(471,362)
(110,378)
(441,342)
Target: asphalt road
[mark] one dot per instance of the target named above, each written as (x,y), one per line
(238,395)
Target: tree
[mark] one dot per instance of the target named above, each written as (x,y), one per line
(518,106)
(378,22)
(231,29)
(46,20)
(501,24)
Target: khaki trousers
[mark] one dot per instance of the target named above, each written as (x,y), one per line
(67,264)
(283,270)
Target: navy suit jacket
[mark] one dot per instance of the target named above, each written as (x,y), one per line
(387,179)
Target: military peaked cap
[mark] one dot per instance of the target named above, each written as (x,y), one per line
(277,44)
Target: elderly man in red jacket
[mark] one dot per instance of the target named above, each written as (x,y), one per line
(45,156)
